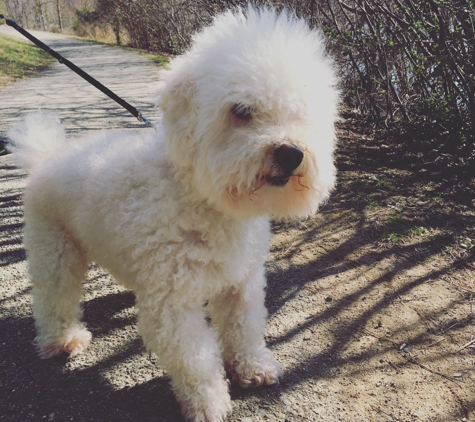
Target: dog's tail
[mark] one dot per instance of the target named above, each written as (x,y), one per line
(35,139)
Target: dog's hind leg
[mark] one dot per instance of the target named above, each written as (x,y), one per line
(57,266)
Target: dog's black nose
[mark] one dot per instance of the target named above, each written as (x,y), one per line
(288,157)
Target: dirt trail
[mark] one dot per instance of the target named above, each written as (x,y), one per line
(366,328)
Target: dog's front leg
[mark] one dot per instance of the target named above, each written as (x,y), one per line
(240,316)
(188,350)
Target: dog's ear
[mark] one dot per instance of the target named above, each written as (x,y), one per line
(176,99)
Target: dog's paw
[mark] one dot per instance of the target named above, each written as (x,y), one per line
(254,371)
(74,342)
(201,413)
(207,405)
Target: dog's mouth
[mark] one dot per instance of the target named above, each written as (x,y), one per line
(277,180)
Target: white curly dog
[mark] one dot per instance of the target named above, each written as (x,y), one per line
(181,215)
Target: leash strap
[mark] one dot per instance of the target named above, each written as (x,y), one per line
(131,109)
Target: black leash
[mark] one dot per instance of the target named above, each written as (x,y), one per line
(131,109)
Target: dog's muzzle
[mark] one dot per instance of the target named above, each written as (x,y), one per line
(287,158)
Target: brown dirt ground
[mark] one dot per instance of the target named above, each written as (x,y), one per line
(371,310)
(380,289)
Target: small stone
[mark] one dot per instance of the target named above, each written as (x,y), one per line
(328,299)
(456,375)
(317,410)
(286,401)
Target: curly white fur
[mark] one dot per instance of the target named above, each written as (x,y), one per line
(181,215)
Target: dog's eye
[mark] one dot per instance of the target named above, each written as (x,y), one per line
(242,113)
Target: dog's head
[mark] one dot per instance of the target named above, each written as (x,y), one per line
(249,115)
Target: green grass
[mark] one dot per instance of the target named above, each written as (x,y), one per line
(19,60)
(160,60)
(392,237)
(384,182)
(157,58)
(372,205)
(418,231)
